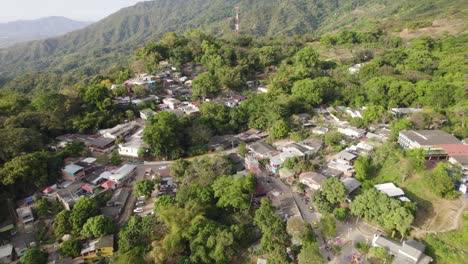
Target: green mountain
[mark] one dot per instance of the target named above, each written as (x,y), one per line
(113,39)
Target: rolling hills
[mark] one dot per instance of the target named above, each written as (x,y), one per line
(27,30)
(113,39)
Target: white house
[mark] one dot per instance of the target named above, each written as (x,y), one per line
(171,102)
(145,114)
(133,144)
(122,174)
(352,132)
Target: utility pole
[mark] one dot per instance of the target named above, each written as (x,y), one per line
(237,20)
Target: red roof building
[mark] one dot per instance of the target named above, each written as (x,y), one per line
(455,149)
(108,184)
(88,188)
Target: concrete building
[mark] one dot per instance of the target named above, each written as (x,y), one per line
(428,140)
(73,172)
(131,147)
(408,252)
(145,114)
(25,214)
(171,102)
(262,150)
(7,254)
(119,198)
(122,174)
(101,247)
(312,179)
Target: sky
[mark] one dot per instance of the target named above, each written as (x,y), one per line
(82,10)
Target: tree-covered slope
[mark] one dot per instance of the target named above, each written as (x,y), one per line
(114,38)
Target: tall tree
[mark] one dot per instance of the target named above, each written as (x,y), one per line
(234,191)
(82,210)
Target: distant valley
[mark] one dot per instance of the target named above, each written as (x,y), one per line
(42,28)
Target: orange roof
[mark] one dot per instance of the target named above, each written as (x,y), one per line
(455,149)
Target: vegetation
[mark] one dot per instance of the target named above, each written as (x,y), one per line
(448,247)
(70,248)
(387,212)
(98,226)
(34,256)
(144,188)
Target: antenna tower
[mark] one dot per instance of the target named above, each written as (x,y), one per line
(237,20)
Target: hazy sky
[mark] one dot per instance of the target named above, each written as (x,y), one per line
(84,10)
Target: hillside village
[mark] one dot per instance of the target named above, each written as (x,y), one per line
(288,188)
(305,138)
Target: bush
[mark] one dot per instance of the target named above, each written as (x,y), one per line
(70,248)
(341,213)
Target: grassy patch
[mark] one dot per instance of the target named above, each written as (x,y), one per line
(449,247)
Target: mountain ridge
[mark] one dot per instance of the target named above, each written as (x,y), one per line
(113,39)
(13,32)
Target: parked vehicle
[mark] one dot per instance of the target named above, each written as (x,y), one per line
(141,198)
(138,210)
(140,203)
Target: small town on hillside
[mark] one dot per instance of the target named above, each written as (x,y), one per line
(332,149)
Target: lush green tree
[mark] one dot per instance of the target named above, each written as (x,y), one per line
(210,242)
(164,134)
(334,190)
(34,256)
(274,236)
(315,91)
(307,57)
(327,225)
(340,213)
(387,212)
(205,85)
(399,125)
(37,168)
(320,200)
(16,141)
(279,129)
(234,191)
(98,95)
(163,201)
(205,171)
(42,207)
(333,139)
(134,256)
(115,158)
(70,248)
(440,181)
(82,210)
(217,117)
(310,254)
(362,166)
(136,233)
(179,168)
(144,188)
(62,224)
(140,91)
(98,226)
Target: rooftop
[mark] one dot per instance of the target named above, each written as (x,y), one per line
(345,155)
(351,184)
(455,149)
(6,250)
(261,148)
(72,168)
(389,189)
(430,137)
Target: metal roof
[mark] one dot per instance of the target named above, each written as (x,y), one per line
(430,137)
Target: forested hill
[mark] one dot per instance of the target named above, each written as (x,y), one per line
(113,39)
